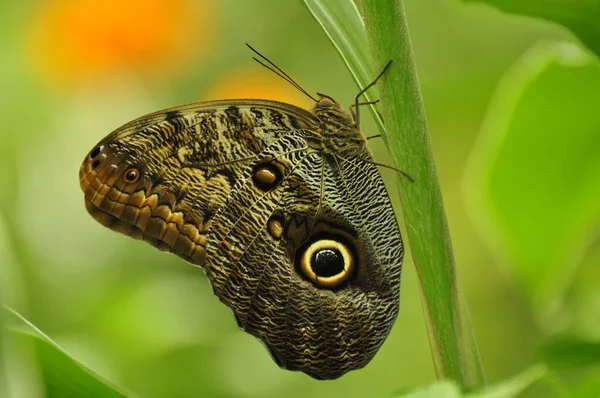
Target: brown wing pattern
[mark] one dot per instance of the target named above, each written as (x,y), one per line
(322,332)
(281,208)
(186,160)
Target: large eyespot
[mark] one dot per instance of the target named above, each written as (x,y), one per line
(327,262)
(131,175)
(266,176)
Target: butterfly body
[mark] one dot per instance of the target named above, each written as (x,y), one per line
(281,206)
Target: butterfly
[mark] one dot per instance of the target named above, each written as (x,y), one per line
(284,209)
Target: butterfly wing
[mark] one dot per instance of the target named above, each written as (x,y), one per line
(236,187)
(183,163)
(255,258)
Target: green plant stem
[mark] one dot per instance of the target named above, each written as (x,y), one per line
(452,339)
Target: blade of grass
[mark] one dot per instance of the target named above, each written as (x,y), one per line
(451,335)
(343,25)
(62,376)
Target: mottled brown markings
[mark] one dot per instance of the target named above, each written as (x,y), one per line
(294,121)
(259,115)
(235,224)
(276,118)
(260,198)
(144,211)
(296,185)
(180,194)
(148,142)
(362,221)
(243,317)
(172,116)
(233,112)
(228,174)
(279,166)
(355,167)
(158,178)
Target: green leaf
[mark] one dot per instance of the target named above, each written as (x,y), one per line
(579,16)
(61,375)
(511,388)
(344,26)
(441,389)
(569,353)
(533,177)
(587,384)
(575,362)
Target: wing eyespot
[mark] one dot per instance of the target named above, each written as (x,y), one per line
(96,151)
(328,263)
(275,226)
(267,176)
(131,175)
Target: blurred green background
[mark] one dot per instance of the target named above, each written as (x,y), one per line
(514,122)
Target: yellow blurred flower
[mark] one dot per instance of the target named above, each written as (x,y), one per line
(257,84)
(71,41)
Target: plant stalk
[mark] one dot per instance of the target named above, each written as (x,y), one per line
(452,339)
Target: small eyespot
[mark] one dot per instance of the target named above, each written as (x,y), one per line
(95,163)
(96,152)
(327,263)
(131,175)
(275,226)
(266,176)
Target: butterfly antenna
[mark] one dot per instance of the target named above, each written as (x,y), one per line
(364,90)
(279,72)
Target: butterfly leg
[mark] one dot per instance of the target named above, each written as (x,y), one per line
(364,90)
(356,105)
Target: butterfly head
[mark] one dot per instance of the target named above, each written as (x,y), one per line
(329,110)
(326,102)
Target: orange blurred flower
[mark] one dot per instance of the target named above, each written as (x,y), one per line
(257,84)
(71,41)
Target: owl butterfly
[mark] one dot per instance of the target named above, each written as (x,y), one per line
(284,209)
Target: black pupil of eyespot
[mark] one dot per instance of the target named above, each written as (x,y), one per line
(327,262)
(131,175)
(95,152)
